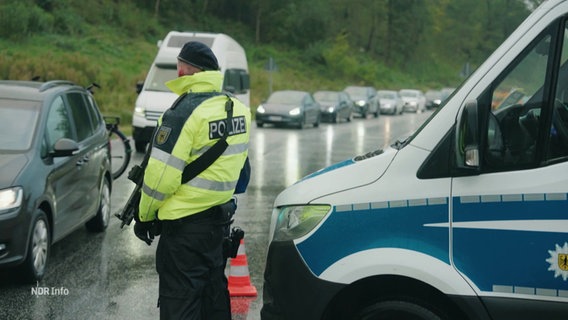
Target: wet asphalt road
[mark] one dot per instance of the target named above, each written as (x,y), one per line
(111,275)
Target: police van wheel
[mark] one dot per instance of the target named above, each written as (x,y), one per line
(397,309)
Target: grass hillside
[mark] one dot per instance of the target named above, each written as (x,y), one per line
(40,39)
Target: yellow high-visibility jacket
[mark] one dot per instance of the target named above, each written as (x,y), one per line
(186,130)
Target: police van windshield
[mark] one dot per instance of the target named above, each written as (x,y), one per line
(158,75)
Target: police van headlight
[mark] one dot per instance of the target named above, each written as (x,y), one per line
(140,111)
(294,222)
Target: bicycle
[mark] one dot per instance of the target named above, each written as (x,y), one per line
(119,144)
(120,149)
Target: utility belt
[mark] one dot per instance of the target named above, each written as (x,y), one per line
(221,215)
(217,215)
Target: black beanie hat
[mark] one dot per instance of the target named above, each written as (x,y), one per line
(198,55)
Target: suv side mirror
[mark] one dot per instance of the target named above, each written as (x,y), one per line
(64,147)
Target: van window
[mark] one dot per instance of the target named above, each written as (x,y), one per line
(177,41)
(558,146)
(81,117)
(516,108)
(58,123)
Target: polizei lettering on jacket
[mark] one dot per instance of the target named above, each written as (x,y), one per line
(217,128)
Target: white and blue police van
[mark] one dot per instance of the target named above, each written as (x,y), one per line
(465,219)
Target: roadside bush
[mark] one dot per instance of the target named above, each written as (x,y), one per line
(14,19)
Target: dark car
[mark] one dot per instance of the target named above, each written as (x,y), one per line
(365,99)
(335,105)
(54,170)
(289,107)
(433,99)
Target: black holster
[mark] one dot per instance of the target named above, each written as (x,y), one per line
(231,242)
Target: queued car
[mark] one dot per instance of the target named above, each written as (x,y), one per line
(433,99)
(335,105)
(413,100)
(365,99)
(289,107)
(389,102)
(445,93)
(54,170)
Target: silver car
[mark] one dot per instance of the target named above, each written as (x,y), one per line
(414,100)
(390,102)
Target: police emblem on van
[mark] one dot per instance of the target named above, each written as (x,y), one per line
(559,261)
(162,135)
(217,128)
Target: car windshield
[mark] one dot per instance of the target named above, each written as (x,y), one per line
(410,94)
(386,95)
(158,76)
(17,122)
(326,96)
(286,97)
(357,92)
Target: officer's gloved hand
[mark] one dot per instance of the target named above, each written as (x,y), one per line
(146,231)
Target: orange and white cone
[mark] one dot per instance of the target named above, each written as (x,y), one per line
(239,277)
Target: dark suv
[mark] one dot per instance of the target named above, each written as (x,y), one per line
(54,170)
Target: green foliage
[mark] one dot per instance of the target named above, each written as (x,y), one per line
(316,44)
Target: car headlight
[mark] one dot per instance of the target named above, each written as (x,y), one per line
(330,109)
(140,111)
(11,198)
(294,112)
(260,109)
(296,221)
(361,103)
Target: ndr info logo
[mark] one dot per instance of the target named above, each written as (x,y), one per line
(49,291)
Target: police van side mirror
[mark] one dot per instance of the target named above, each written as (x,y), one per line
(467,137)
(230,89)
(139,86)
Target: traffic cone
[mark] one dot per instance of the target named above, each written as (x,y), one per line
(240,307)
(239,277)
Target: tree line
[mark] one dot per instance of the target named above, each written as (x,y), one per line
(393,31)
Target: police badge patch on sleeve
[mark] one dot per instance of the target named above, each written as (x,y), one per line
(163,135)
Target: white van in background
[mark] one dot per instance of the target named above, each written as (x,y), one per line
(154,97)
(466,219)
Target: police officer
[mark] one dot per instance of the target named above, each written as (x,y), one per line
(193,216)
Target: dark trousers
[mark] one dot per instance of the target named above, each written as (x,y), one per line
(191,269)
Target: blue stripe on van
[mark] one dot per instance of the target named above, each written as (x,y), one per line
(508,246)
(503,243)
(327,169)
(395,224)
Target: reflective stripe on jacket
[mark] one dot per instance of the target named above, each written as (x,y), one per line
(185,131)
